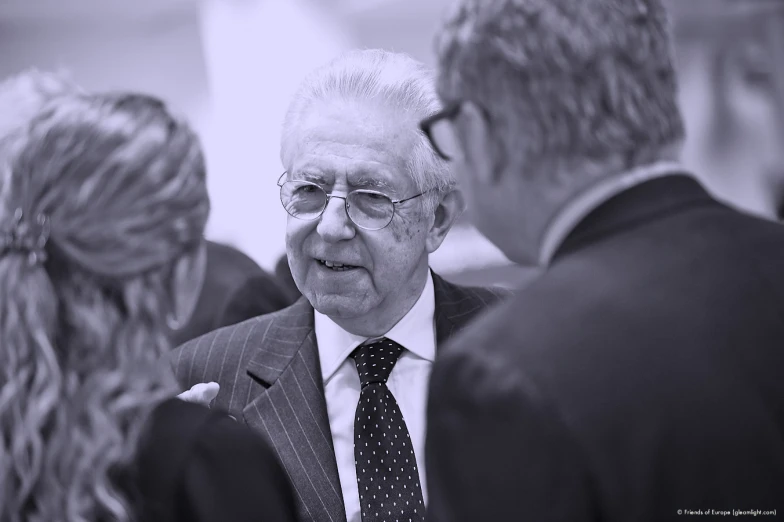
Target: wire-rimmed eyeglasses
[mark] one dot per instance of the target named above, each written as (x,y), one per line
(367,209)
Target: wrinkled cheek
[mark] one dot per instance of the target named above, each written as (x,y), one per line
(405,230)
(404,233)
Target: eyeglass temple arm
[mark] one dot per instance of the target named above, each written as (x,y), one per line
(412,197)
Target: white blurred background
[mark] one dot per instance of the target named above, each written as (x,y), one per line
(231,66)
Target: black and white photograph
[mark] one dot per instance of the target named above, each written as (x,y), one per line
(391,260)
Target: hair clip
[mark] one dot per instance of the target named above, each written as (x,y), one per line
(27,237)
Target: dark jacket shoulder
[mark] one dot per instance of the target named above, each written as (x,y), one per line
(196,464)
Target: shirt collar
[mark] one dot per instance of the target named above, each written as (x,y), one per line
(415,331)
(578,208)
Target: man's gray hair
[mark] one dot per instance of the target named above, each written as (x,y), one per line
(370,75)
(573,80)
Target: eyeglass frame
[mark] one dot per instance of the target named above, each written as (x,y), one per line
(329,196)
(450,111)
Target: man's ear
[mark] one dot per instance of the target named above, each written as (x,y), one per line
(186,283)
(482,150)
(449,208)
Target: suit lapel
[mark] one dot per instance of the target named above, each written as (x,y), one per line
(292,411)
(644,202)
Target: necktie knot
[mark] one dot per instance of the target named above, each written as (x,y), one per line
(375,360)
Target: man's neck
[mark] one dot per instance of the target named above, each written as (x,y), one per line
(579,207)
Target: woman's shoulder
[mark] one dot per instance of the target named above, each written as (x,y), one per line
(213,465)
(172,429)
(163,454)
(177,432)
(178,418)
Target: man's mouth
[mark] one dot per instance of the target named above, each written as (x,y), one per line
(337,267)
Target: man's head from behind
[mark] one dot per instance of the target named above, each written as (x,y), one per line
(368,199)
(544,97)
(730,59)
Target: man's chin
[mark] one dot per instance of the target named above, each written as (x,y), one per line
(339,305)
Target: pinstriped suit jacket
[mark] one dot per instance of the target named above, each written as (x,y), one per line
(269,375)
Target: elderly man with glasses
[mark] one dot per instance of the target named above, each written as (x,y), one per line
(338,382)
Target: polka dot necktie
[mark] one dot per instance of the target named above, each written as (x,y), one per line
(387,473)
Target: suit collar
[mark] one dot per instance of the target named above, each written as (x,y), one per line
(594,196)
(455,306)
(641,202)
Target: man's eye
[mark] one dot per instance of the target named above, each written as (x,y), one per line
(305,188)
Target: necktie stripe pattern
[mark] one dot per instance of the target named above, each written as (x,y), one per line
(387,473)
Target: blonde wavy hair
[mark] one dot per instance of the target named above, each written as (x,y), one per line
(123,184)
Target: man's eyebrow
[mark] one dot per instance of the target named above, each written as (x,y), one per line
(313,177)
(373,183)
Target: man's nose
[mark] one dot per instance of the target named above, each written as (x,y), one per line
(334,224)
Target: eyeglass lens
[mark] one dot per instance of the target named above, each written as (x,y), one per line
(444,139)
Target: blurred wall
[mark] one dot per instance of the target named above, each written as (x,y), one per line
(158,52)
(257,52)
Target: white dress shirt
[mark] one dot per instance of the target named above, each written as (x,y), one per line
(408,382)
(578,208)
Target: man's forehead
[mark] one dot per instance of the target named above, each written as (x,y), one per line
(354,172)
(377,120)
(364,143)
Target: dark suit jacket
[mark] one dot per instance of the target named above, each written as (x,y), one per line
(269,374)
(198,465)
(641,374)
(226,296)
